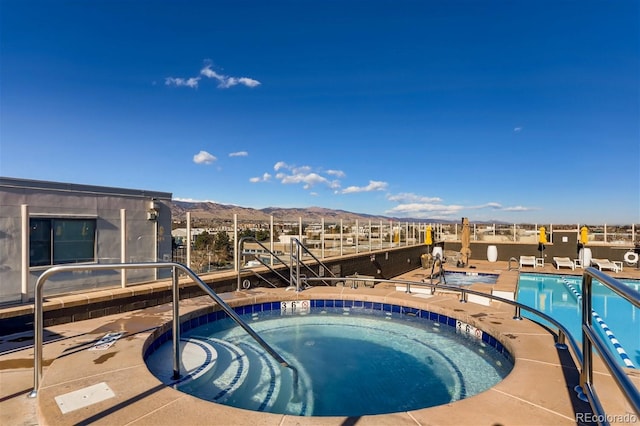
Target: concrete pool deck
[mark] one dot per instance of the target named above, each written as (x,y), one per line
(538,391)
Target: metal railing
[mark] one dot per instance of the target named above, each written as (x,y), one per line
(441,275)
(509,267)
(240,269)
(38,314)
(297,251)
(591,340)
(563,333)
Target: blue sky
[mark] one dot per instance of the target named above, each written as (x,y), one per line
(518,111)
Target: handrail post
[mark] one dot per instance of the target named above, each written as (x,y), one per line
(37,335)
(560,343)
(586,375)
(294,263)
(238,260)
(176,323)
(298,260)
(517,315)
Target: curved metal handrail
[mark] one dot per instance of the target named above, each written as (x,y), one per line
(509,264)
(591,339)
(38,314)
(563,332)
(437,259)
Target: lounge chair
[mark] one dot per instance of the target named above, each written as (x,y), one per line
(603,264)
(527,261)
(564,262)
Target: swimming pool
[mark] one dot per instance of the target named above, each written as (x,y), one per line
(354,358)
(559,297)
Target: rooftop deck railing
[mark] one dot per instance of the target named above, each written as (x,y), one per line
(338,237)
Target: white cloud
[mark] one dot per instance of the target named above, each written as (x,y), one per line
(280,165)
(249,82)
(418,206)
(336,173)
(492,205)
(308,179)
(305,175)
(208,72)
(373,186)
(407,197)
(498,206)
(203,157)
(266,177)
(182,82)
(224,81)
(425,210)
(518,209)
(517,129)
(334,184)
(239,154)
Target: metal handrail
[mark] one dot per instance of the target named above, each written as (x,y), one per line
(38,314)
(509,264)
(591,339)
(299,262)
(240,269)
(257,274)
(563,332)
(437,259)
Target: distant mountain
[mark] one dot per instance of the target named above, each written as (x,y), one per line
(214,211)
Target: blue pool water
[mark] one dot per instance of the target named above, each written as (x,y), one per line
(556,296)
(352,360)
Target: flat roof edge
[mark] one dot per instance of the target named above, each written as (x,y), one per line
(75,187)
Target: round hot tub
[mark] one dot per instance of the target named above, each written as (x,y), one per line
(350,358)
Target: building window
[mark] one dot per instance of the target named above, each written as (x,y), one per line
(58,241)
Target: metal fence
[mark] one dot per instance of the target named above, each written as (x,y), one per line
(337,237)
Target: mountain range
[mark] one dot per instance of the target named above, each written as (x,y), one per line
(209,211)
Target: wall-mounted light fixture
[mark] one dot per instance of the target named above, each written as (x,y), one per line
(153,208)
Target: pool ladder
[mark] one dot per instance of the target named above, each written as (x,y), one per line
(509,268)
(246,284)
(440,273)
(297,280)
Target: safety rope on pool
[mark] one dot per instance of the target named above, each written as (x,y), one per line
(614,341)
